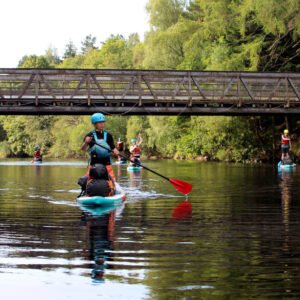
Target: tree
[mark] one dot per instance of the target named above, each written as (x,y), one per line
(164,13)
(52,56)
(115,53)
(34,61)
(70,50)
(88,43)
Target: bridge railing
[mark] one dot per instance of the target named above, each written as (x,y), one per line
(128,88)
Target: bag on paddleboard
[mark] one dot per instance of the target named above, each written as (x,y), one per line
(98,187)
(99,171)
(82,181)
(98,183)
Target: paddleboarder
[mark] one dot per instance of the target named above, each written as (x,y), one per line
(97,138)
(37,154)
(121,149)
(285,145)
(135,149)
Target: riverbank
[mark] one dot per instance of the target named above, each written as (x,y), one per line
(199,158)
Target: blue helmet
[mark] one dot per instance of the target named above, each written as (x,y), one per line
(97,117)
(133,140)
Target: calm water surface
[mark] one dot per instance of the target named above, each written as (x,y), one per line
(237,236)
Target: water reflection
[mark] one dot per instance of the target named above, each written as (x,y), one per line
(37,169)
(135,179)
(285,184)
(182,211)
(100,229)
(236,238)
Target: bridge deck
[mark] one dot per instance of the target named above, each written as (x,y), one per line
(129,92)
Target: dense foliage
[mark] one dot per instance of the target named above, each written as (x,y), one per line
(249,35)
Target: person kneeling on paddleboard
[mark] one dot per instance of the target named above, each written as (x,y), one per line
(100,136)
(135,150)
(285,145)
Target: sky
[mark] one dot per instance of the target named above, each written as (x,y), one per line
(31,26)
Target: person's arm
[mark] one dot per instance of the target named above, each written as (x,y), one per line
(140,140)
(116,152)
(131,149)
(86,143)
(110,142)
(290,143)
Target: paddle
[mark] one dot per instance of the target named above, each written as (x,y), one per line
(180,185)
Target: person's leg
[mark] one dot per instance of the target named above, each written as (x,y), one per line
(282,152)
(88,171)
(110,172)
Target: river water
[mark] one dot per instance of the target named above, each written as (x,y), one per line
(237,236)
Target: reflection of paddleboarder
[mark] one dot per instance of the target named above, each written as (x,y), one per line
(285,187)
(100,234)
(135,180)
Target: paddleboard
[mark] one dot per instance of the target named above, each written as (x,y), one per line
(286,167)
(120,162)
(37,162)
(134,168)
(98,210)
(104,201)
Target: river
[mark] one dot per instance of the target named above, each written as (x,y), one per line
(237,236)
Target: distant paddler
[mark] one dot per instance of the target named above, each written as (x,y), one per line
(37,157)
(285,146)
(121,149)
(96,137)
(135,149)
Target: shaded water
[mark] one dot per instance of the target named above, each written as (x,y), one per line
(240,241)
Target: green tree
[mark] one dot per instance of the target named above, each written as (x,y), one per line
(52,56)
(88,43)
(34,61)
(70,50)
(164,13)
(115,53)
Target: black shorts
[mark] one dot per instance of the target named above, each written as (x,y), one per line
(285,148)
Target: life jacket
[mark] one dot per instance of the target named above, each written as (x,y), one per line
(37,154)
(120,146)
(285,140)
(136,152)
(98,152)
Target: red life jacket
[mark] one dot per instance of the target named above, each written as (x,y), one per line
(136,152)
(120,146)
(37,154)
(285,140)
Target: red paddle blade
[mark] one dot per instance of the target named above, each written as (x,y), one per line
(181,186)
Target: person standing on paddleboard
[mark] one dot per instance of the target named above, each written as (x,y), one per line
(37,153)
(100,136)
(285,144)
(121,149)
(135,149)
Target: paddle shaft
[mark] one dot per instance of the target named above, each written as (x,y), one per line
(138,164)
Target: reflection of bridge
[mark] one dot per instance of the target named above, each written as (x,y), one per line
(136,92)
